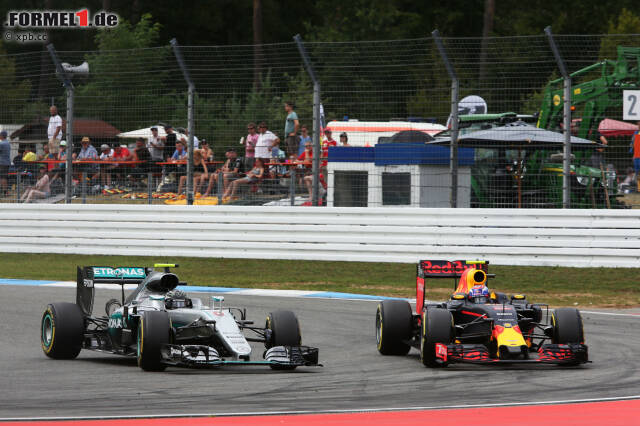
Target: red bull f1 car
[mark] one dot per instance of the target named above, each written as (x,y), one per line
(162,326)
(477,325)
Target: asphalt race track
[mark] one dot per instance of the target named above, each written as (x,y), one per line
(354,376)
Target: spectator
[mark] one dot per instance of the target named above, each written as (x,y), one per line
(17,160)
(106,154)
(29,156)
(266,141)
(306,160)
(344,139)
(60,156)
(5,163)
(200,172)
(196,141)
(291,128)
(54,130)
(254,176)
(206,151)
(627,184)
(303,140)
(180,153)
(597,157)
(155,145)
(327,142)
(87,153)
(278,156)
(230,170)
(46,156)
(169,142)
(121,153)
(29,163)
(140,153)
(42,189)
(250,145)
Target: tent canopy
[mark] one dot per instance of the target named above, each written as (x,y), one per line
(517,135)
(411,136)
(145,133)
(610,128)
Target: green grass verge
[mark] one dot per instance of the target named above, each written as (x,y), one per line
(583,287)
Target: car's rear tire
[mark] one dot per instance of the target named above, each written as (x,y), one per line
(394,323)
(62,330)
(437,327)
(154,331)
(567,326)
(284,331)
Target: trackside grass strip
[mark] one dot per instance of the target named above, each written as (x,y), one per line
(558,286)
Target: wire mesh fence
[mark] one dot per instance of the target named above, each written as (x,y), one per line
(384,121)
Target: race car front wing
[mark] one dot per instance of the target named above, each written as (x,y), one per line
(568,354)
(206,356)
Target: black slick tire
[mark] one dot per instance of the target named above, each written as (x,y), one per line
(394,323)
(567,326)
(154,331)
(284,330)
(437,327)
(62,330)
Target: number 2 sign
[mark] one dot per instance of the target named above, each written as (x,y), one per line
(631,105)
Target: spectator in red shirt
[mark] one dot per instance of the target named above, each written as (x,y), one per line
(329,141)
(121,153)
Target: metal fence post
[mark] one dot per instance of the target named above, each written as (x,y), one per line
(66,81)
(190,118)
(292,185)
(455,89)
(149,187)
(566,160)
(317,151)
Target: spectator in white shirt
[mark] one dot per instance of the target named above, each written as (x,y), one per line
(54,131)
(266,141)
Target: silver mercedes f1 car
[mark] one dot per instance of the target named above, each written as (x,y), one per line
(162,326)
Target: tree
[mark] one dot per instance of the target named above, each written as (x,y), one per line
(15,93)
(128,88)
(626,23)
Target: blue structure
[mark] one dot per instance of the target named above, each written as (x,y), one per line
(399,154)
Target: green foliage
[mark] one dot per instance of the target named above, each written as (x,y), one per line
(626,23)
(112,94)
(15,93)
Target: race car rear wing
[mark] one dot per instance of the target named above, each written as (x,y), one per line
(89,275)
(443,269)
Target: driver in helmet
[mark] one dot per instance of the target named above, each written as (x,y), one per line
(177,299)
(479,294)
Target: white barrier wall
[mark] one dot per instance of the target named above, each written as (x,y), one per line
(509,237)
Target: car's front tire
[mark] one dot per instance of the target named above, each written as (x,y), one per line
(567,326)
(62,330)
(154,331)
(284,330)
(394,322)
(437,327)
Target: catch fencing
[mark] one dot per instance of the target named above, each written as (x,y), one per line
(406,107)
(560,237)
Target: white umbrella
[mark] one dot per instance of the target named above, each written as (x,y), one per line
(146,133)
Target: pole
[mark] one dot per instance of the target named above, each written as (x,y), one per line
(66,82)
(68,176)
(566,161)
(455,93)
(317,151)
(190,117)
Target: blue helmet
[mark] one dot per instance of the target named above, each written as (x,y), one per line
(479,294)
